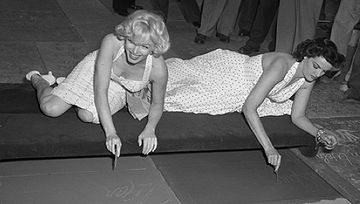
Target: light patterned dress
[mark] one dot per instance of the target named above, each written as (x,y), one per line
(77,89)
(220,81)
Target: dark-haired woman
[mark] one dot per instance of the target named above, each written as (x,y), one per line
(223,81)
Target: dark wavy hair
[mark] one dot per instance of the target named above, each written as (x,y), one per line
(320,47)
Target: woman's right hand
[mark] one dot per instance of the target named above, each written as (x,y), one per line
(113,144)
(274,158)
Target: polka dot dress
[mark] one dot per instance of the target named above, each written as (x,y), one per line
(220,81)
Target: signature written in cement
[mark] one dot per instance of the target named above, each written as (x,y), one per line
(133,192)
(346,136)
(347,157)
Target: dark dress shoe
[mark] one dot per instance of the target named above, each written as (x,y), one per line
(122,12)
(200,39)
(244,33)
(136,7)
(245,50)
(223,38)
(196,24)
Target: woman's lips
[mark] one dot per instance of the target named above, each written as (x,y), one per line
(134,57)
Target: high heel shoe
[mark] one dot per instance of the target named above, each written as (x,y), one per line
(48,77)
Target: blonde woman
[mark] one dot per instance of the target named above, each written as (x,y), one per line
(128,69)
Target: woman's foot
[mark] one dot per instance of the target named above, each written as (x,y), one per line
(48,77)
(59,80)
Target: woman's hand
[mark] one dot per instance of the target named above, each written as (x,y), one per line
(274,158)
(149,141)
(113,144)
(327,138)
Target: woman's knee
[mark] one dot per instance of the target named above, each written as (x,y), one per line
(85,116)
(51,109)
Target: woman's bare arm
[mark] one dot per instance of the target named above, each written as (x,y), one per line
(298,117)
(159,78)
(159,82)
(101,85)
(272,74)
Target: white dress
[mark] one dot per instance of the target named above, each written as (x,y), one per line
(77,89)
(220,81)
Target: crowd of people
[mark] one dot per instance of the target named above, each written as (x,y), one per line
(128,70)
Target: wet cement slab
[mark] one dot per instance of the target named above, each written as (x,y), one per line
(345,158)
(241,177)
(135,180)
(341,166)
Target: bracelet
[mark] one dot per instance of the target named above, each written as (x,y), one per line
(318,135)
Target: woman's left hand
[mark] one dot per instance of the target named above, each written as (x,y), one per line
(149,141)
(328,139)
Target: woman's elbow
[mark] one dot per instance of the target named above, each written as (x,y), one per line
(295,118)
(246,109)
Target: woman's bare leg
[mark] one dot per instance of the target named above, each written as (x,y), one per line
(85,115)
(50,105)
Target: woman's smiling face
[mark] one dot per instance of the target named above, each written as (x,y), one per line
(137,48)
(315,67)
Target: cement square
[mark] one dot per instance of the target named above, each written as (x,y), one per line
(87,180)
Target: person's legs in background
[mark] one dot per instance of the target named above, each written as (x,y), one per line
(306,25)
(134,6)
(121,6)
(346,18)
(272,43)
(227,20)
(211,12)
(353,93)
(248,9)
(349,59)
(297,21)
(266,12)
(345,35)
(191,12)
(161,7)
(327,16)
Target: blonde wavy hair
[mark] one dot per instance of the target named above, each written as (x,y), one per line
(145,24)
